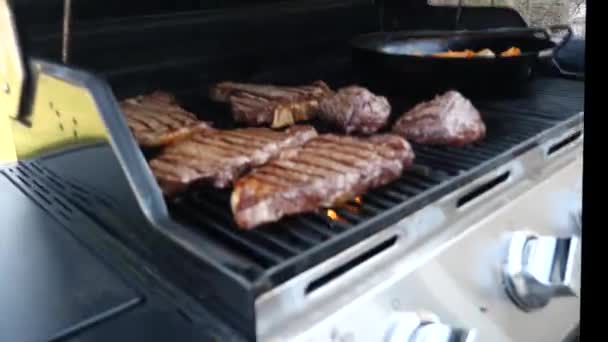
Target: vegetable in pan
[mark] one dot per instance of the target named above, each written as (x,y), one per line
(511,52)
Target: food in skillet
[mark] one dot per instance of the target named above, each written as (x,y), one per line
(156,119)
(327,170)
(448,119)
(217,157)
(271,105)
(511,52)
(355,109)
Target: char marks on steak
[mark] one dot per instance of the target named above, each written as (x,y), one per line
(448,119)
(354,109)
(271,105)
(218,157)
(326,171)
(156,119)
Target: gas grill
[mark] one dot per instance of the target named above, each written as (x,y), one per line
(426,254)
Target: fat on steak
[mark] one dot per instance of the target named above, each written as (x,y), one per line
(325,171)
(448,119)
(218,157)
(271,105)
(156,119)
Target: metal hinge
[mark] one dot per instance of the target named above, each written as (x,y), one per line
(12,70)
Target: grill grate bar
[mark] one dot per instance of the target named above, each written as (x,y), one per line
(436,174)
(498,145)
(263,257)
(424,178)
(511,140)
(395,196)
(407,188)
(473,149)
(310,223)
(345,214)
(519,136)
(428,173)
(375,198)
(275,241)
(337,224)
(442,163)
(366,207)
(525,122)
(438,163)
(301,234)
(473,158)
(285,235)
(414,184)
(331,225)
(423,183)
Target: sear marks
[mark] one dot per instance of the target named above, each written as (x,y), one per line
(157,120)
(218,157)
(325,171)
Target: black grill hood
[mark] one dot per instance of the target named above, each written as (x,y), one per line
(160,42)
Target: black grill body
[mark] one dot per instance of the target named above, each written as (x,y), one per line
(193,240)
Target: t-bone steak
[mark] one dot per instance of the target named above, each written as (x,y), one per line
(271,105)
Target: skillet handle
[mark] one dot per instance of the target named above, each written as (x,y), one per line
(558,46)
(578,76)
(564,40)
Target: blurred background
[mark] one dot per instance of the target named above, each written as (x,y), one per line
(538,12)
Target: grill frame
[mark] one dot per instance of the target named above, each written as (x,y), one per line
(173,246)
(175,249)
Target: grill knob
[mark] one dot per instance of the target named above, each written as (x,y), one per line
(539,268)
(417,327)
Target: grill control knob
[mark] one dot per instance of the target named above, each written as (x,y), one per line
(418,327)
(539,268)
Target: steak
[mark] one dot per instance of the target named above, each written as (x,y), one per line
(326,171)
(355,109)
(271,105)
(156,119)
(448,119)
(218,157)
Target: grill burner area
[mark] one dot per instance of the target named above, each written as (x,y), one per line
(258,281)
(276,252)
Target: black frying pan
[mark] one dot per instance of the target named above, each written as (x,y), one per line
(402,61)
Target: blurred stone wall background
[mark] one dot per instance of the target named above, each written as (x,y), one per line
(538,12)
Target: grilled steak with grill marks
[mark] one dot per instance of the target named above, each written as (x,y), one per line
(448,119)
(156,119)
(355,109)
(271,105)
(327,170)
(218,157)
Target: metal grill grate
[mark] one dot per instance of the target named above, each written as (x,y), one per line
(285,248)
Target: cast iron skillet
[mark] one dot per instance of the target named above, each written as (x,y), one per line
(401,61)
